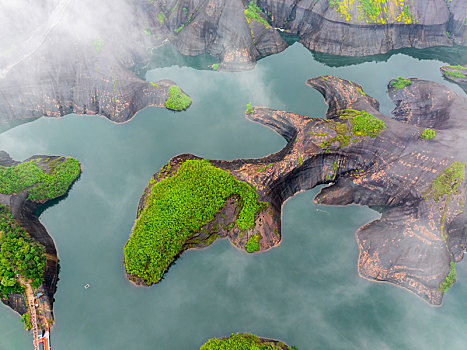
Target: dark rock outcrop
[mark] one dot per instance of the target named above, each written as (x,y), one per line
(221,29)
(24,212)
(418,184)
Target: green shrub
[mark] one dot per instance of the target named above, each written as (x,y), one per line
(241,342)
(178,207)
(253,12)
(363,123)
(161,18)
(26,320)
(179,28)
(450,278)
(19,254)
(249,109)
(428,134)
(215,66)
(177,100)
(41,185)
(253,243)
(453,74)
(400,83)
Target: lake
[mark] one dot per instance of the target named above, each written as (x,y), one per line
(306,291)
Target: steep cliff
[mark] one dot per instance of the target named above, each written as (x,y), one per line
(411,167)
(240,32)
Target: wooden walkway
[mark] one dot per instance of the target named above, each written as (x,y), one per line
(32,312)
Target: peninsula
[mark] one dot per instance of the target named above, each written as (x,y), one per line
(409,166)
(28,257)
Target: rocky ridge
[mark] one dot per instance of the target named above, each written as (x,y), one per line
(417,182)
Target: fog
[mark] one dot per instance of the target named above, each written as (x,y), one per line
(48,28)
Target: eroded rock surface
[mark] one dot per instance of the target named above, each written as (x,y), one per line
(222,28)
(417,183)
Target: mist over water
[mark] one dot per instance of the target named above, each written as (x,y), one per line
(306,291)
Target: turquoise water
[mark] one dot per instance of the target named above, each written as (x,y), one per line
(306,292)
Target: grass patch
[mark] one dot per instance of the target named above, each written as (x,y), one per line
(177,100)
(253,243)
(455,67)
(253,13)
(428,134)
(450,278)
(400,83)
(242,342)
(41,185)
(19,254)
(453,74)
(249,109)
(178,207)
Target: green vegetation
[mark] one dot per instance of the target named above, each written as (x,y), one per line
(375,11)
(400,83)
(19,254)
(179,28)
(242,342)
(161,18)
(26,321)
(249,109)
(253,243)
(41,185)
(362,124)
(177,100)
(450,278)
(300,160)
(253,12)
(179,206)
(445,186)
(263,169)
(153,84)
(333,174)
(455,67)
(98,44)
(453,74)
(215,66)
(428,134)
